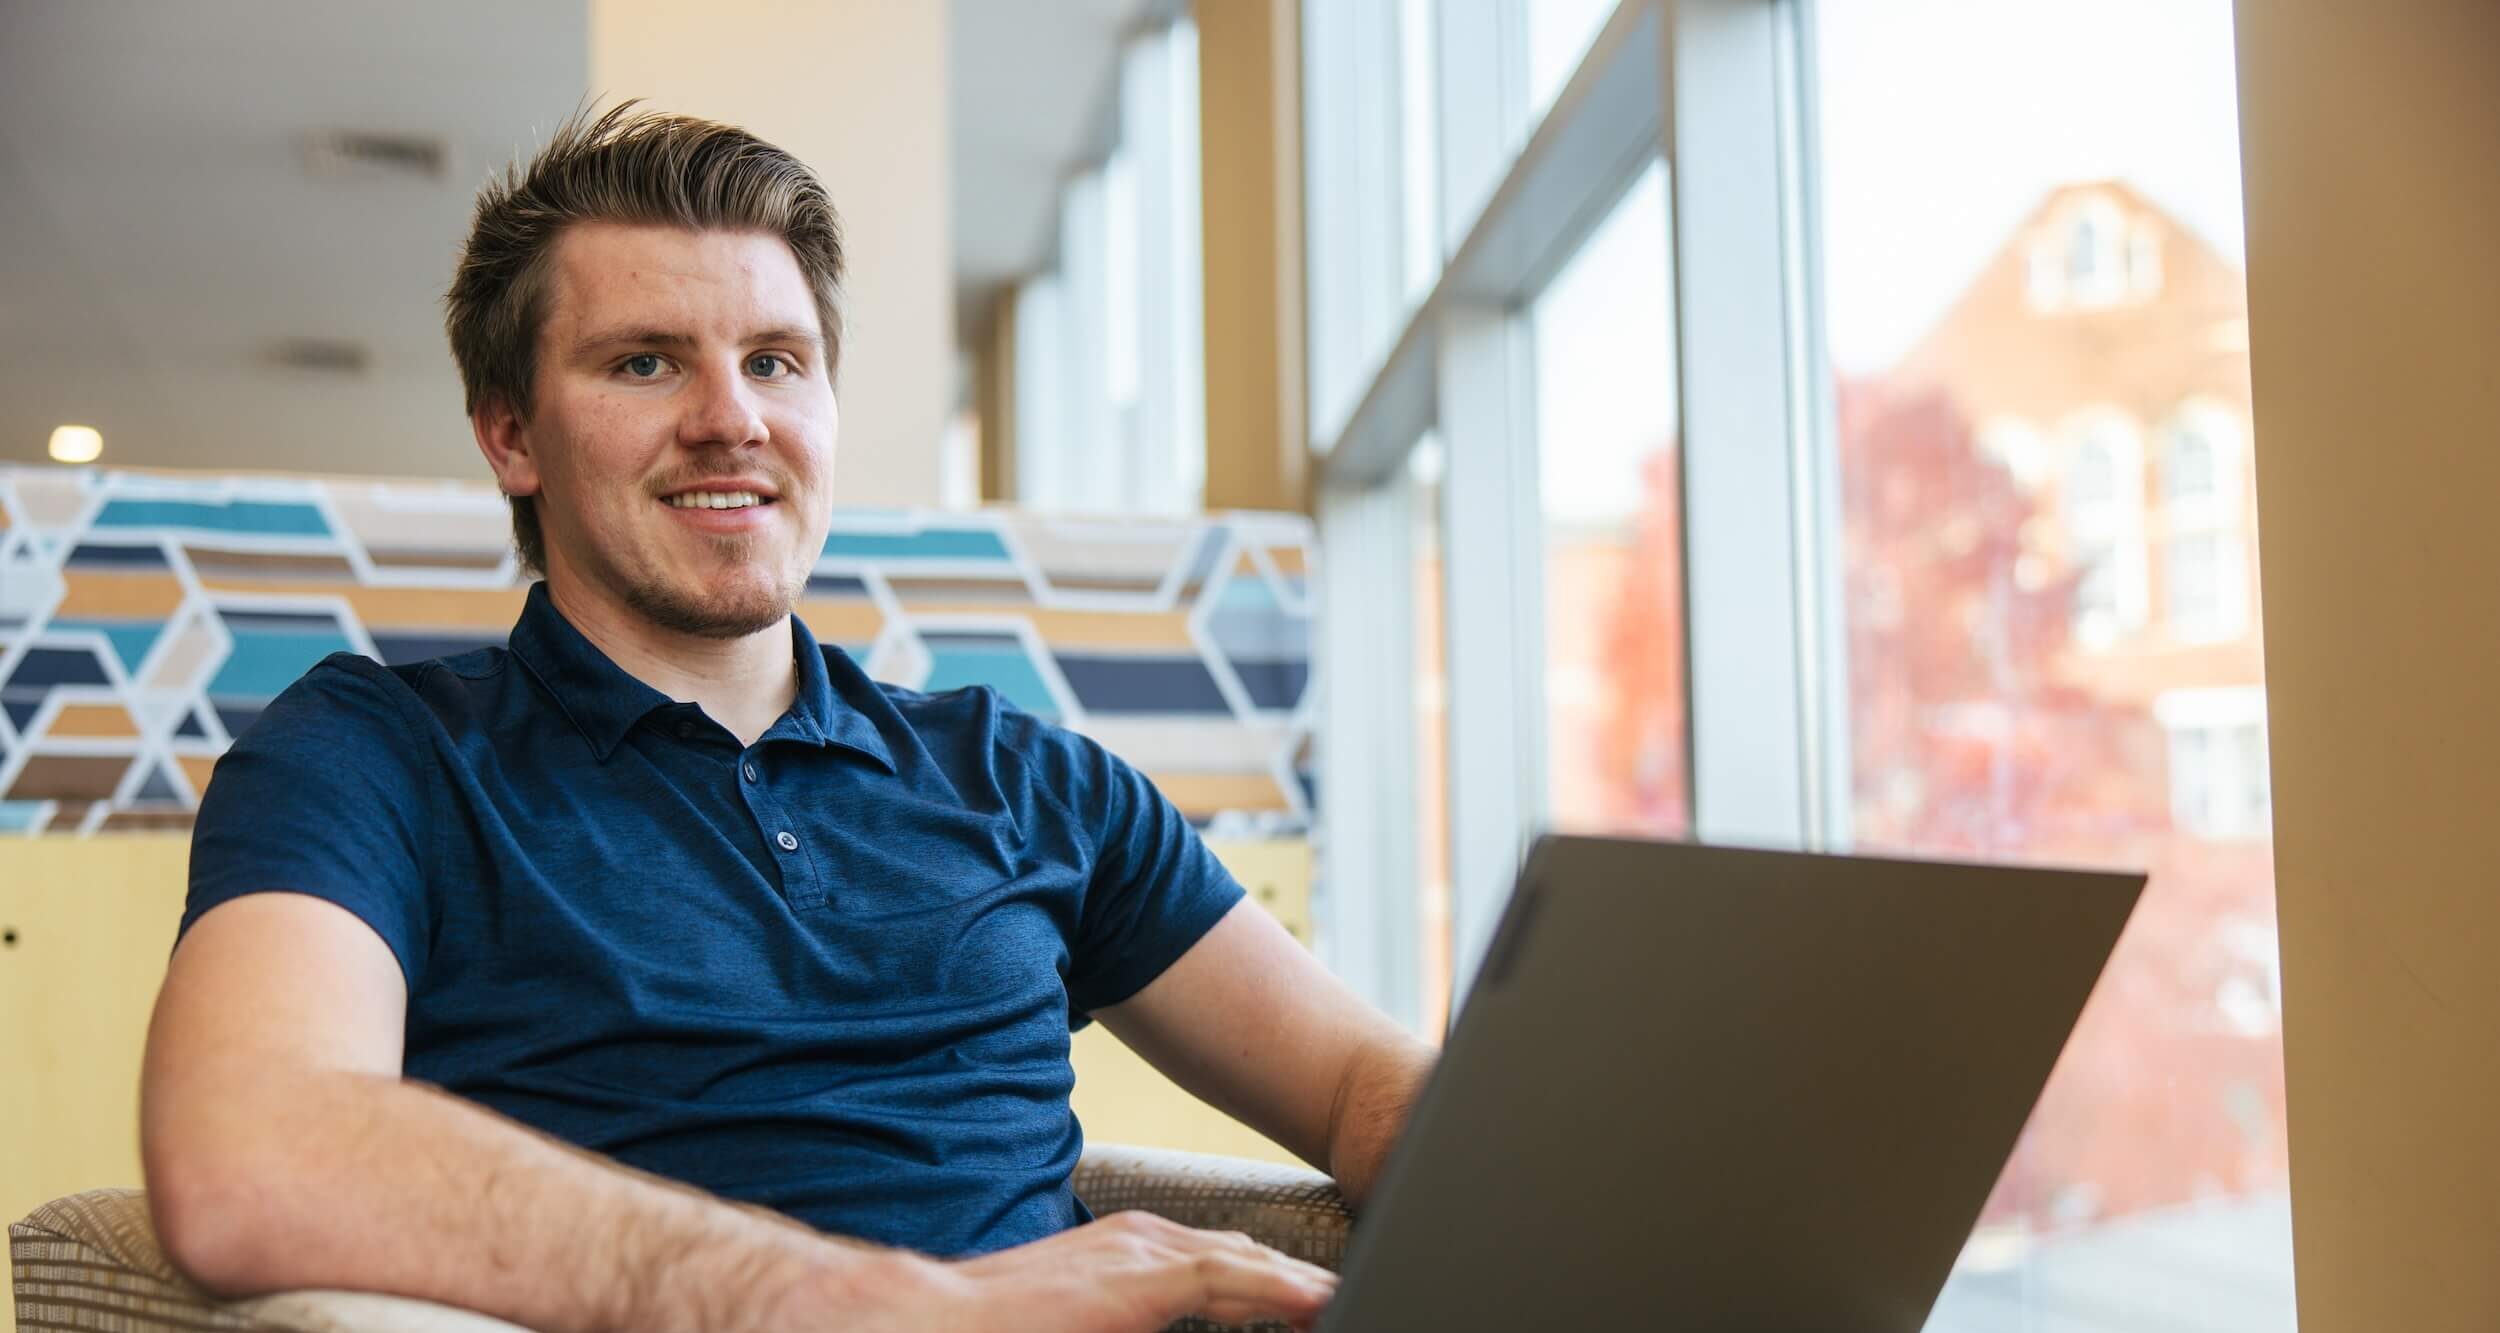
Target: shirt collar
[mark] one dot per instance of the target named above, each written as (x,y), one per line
(604,701)
(819,713)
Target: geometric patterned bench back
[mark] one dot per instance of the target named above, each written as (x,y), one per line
(147,617)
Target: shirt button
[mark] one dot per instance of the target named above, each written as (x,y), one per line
(788,843)
(751,774)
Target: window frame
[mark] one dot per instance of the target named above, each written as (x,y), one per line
(1721,89)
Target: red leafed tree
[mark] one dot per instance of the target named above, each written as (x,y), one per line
(1640,754)
(1968,741)
(1964,740)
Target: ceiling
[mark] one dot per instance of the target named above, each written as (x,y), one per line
(159,230)
(1032,99)
(161,233)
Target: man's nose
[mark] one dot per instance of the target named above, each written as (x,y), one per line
(722,411)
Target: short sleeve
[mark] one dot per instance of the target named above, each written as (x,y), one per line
(1154,890)
(326,794)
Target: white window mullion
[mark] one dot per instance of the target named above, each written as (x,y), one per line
(1041,386)
(1367,904)
(1483,88)
(1090,466)
(1494,563)
(1750,697)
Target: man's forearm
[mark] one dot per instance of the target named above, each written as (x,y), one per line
(1373,1101)
(364,1182)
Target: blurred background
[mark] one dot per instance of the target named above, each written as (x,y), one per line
(1817,422)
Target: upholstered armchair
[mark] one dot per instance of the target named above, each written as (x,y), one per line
(90,1263)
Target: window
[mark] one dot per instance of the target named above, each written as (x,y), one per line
(2190,473)
(2105,531)
(1110,384)
(2206,579)
(2092,485)
(1867,379)
(2220,788)
(1614,677)
(2207,587)
(1367,77)
(1418,149)
(1559,33)
(2087,254)
(2225,777)
(2052,718)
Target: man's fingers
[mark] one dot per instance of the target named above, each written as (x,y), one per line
(1157,1270)
(1249,1244)
(1235,1287)
(1227,1276)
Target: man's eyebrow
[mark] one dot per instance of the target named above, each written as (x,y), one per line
(806,337)
(657,337)
(635,337)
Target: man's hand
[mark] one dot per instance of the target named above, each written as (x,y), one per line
(1127,1273)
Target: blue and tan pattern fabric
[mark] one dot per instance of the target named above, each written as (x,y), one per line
(145,619)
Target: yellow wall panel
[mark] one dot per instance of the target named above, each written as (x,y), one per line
(93,922)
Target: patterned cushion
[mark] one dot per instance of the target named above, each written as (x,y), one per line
(1298,1212)
(90,1263)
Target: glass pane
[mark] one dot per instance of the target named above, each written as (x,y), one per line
(1419,147)
(1614,621)
(1559,33)
(2022,305)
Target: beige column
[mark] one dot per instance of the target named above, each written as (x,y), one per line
(994,398)
(857,89)
(1250,148)
(2371,134)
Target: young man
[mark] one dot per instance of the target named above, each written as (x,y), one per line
(662,971)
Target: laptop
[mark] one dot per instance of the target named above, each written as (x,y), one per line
(1706,1088)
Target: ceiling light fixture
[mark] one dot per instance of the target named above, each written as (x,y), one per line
(77,444)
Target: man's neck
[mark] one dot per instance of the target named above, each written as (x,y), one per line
(744,684)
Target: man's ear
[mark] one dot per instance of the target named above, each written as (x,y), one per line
(504,439)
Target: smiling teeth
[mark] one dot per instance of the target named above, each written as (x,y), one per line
(714,500)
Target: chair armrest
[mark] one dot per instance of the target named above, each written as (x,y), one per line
(92,1262)
(1285,1208)
(1282,1207)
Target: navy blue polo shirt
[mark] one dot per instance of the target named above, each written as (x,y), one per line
(833,973)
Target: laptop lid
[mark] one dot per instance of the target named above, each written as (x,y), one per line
(1721,1089)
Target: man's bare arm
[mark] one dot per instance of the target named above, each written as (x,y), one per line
(283,1150)
(1249,1021)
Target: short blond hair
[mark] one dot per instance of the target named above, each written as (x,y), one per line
(628,166)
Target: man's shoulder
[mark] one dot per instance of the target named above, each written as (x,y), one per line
(354,682)
(406,678)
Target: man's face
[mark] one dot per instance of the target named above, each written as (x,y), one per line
(682,436)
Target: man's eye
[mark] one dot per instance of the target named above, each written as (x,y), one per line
(642,367)
(764,365)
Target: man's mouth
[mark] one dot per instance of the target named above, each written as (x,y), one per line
(714,500)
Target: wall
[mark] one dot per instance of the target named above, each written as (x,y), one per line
(2369,134)
(857,89)
(1250,158)
(146,618)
